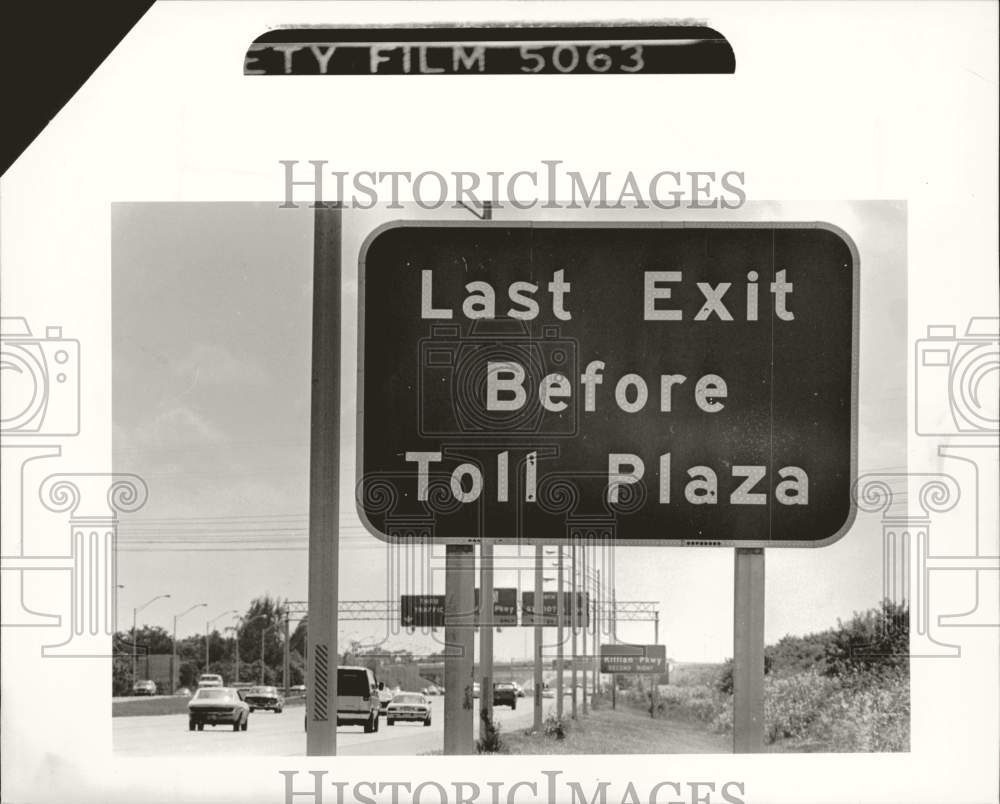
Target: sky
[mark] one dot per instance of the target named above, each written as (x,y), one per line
(211,380)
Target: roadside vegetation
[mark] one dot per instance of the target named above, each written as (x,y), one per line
(846,689)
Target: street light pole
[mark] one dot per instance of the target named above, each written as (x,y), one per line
(239,628)
(262,633)
(173,645)
(208,631)
(135,618)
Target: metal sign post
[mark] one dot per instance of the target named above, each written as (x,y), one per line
(486,614)
(586,581)
(559,638)
(537,615)
(324,488)
(748,652)
(459,637)
(573,623)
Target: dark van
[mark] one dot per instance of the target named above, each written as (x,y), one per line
(357,698)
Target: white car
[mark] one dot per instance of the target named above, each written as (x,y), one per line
(412,706)
(209,680)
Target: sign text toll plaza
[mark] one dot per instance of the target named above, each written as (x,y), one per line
(670,384)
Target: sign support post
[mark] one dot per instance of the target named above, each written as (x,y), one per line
(586,625)
(748,652)
(573,623)
(538,613)
(560,635)
(324,487)
(459,638)
(486,615)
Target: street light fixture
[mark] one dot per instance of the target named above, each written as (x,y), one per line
(264,631)
(208,632)
(243,622)
(173,643)
(135,617)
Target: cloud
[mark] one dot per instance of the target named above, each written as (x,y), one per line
(216,365)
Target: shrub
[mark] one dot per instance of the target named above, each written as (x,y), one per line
(555,726)
(491,741)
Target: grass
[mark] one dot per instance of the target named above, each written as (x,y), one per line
(622,731)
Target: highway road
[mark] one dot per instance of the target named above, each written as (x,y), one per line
(270,734)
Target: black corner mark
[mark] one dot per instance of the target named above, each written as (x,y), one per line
(49,51)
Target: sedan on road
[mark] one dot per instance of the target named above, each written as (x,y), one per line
(217,706)
(411,706)
(264,698)
(505,694)
(145,687)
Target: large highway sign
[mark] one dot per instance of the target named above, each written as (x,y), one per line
(550,609)
(622,658)
(683,384)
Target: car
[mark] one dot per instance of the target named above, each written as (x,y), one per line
(505,694)
(217,706)
(183,691)
(433,689)
(145,687)
(264,697)
(384,697)
(548,692)
(412,706)
(209,680)
(298,689)
(518,689)
(358,698)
